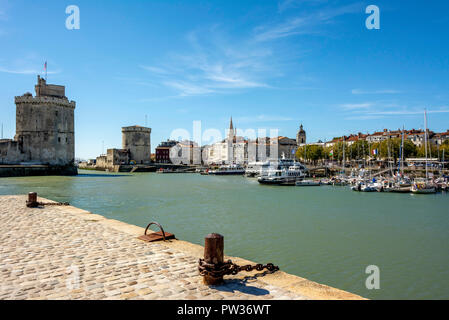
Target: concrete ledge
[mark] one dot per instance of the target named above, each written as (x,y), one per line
(302,286)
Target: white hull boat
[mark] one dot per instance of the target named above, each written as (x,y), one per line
(308,183)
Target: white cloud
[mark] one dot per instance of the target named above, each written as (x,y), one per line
(214,66)
(288,4)
(305,24)
(155,69)
(382,110)
(360,92)
(409,112)
(188,89)
(357,106)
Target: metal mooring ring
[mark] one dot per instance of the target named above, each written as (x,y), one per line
(160,227)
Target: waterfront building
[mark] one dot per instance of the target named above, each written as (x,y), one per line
(237,149)
(233,149)
(45,131)
(185,152)
(440,138)
(163,151)
(377,136)
(415,136)
(287,147)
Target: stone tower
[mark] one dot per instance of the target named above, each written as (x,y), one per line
(45,131)
(301,136)
(137,140)
(230,142)
(232,132)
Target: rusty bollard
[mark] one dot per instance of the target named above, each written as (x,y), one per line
(32,200)
(213,254)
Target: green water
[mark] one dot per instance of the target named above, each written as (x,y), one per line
(326,234)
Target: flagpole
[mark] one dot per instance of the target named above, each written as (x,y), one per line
(45,69)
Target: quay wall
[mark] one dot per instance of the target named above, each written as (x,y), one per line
(36,170)
(128,269)
(102,166)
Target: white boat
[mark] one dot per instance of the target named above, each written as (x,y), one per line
(308,183)
(399,185)
(364,188)
(227,170)
(255,169)
(283,175)
(339,181)
(369,188)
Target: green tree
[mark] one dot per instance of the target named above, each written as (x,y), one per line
(310,153)
(444,149)
(432,151)
(410,149)
(358,150)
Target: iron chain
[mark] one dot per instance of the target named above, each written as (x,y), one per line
(230,268)
(53,204)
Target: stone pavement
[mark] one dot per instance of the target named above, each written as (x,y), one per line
(67,253)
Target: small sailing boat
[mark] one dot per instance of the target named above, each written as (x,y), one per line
(424,186)
(403,184)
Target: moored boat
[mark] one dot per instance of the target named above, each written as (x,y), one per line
(283,175)
(423,187)
(308,183)
(398,189)
(256,169)
(232,169)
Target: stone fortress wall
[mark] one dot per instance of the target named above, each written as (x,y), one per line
(45,132)
(137,140)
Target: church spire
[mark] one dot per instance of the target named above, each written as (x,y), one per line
(231,127)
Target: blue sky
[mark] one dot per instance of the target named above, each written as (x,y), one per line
(269,64)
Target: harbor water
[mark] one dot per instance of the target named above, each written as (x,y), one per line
(326,234)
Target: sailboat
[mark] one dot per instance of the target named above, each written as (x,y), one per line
(421,186)
(403,185)
(342,180)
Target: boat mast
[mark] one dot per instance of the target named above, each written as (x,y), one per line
(344,160)
(425,139)
(402,153)
(390,165)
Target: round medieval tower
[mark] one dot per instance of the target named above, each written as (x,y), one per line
(45,129)
(137,140)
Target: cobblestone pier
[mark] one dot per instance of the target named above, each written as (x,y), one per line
(68,253)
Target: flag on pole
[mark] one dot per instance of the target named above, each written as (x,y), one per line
(331,153)
(45,70)
(375,152)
